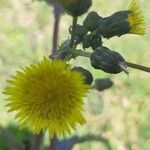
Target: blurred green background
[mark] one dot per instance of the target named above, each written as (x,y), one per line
(122,113)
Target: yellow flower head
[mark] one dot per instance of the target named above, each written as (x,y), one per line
(136,19)
(47,95)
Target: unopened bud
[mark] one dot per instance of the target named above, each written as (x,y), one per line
(91,21)
(107,60)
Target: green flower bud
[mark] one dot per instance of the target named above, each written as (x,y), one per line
(79,34)
(102,84)
(77,7)
(114,25)
(87,41)
(96,42)
(107,60)
(92,20)
(88,76)
(80,30)
(92,41)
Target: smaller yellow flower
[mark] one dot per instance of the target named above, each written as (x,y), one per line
(136,19)
(129,21)
(47,95)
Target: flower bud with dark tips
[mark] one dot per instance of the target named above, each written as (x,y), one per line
(92,20)
(108,61)
(81,31)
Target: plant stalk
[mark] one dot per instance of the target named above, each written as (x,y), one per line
(58,9)
(138,67)
(74,23)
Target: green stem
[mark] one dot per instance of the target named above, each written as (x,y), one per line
(74,23)
(129,64)
(137,66)
(78,52)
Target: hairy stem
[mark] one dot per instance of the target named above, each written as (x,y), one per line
(74,23)
(78,52)
(137,66)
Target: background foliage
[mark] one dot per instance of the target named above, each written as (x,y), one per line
(25,36)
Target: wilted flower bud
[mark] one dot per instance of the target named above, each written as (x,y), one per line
(76,7)
(107,60)
(102,84)
(88,76)
(123,22)
(92,20)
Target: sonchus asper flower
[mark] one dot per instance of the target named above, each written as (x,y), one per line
(130,21)
(47,95)
(136,19)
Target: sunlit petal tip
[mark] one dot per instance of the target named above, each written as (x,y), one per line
(136,19)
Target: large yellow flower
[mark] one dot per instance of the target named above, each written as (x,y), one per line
(47,95)
(136,19)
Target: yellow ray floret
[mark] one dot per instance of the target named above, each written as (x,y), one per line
(47,95)
(136,19)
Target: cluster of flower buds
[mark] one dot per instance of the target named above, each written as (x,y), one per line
(95,27)
(84,33)
(119,23)
(91,32)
